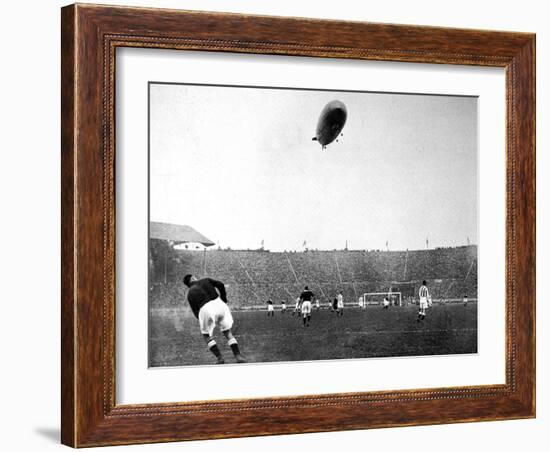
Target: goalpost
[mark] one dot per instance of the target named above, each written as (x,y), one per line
(377,298)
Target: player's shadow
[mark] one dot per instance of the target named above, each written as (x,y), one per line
(50,433)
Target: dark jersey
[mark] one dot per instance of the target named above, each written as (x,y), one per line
(203,291)
(306,295)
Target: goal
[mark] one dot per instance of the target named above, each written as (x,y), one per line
(378,297)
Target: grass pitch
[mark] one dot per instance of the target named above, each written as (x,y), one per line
(175,338)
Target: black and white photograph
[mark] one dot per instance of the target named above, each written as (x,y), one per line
(290,224)
(242,226)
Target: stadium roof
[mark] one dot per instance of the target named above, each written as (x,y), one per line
(177,233)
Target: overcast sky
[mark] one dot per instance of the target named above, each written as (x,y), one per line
(238,165)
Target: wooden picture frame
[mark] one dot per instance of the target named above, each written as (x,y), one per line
(90,35)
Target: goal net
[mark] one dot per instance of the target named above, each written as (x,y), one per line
(377,298)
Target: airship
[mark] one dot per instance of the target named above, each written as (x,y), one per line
(331,122)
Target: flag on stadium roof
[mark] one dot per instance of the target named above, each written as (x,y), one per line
(177,233)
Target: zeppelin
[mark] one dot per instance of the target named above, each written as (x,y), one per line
(331,122)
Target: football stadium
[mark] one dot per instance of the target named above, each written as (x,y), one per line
(241,176)
(363,277)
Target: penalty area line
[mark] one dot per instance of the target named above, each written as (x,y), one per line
(371,333)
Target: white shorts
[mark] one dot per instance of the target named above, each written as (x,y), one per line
(340,305)
(215,313)
(270,307)
(423,303)
(306,307)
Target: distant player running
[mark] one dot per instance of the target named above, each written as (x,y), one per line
(423,295)
(360,302)
(297,307)
(386,303)
(465,300)
(270,309)
(283,307)
(208,301)
(305,297)
(340,304)
(317,304)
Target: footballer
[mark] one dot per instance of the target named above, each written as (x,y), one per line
(340,304)
(297,307)
(270,309)
(423,295)
(208,301)
(305,298)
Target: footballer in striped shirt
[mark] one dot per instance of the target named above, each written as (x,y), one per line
(423,295)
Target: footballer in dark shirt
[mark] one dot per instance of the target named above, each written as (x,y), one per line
(208,301)
(305,297)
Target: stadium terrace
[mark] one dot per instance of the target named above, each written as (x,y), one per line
(254,276)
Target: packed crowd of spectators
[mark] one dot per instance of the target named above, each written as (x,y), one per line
(254,276)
